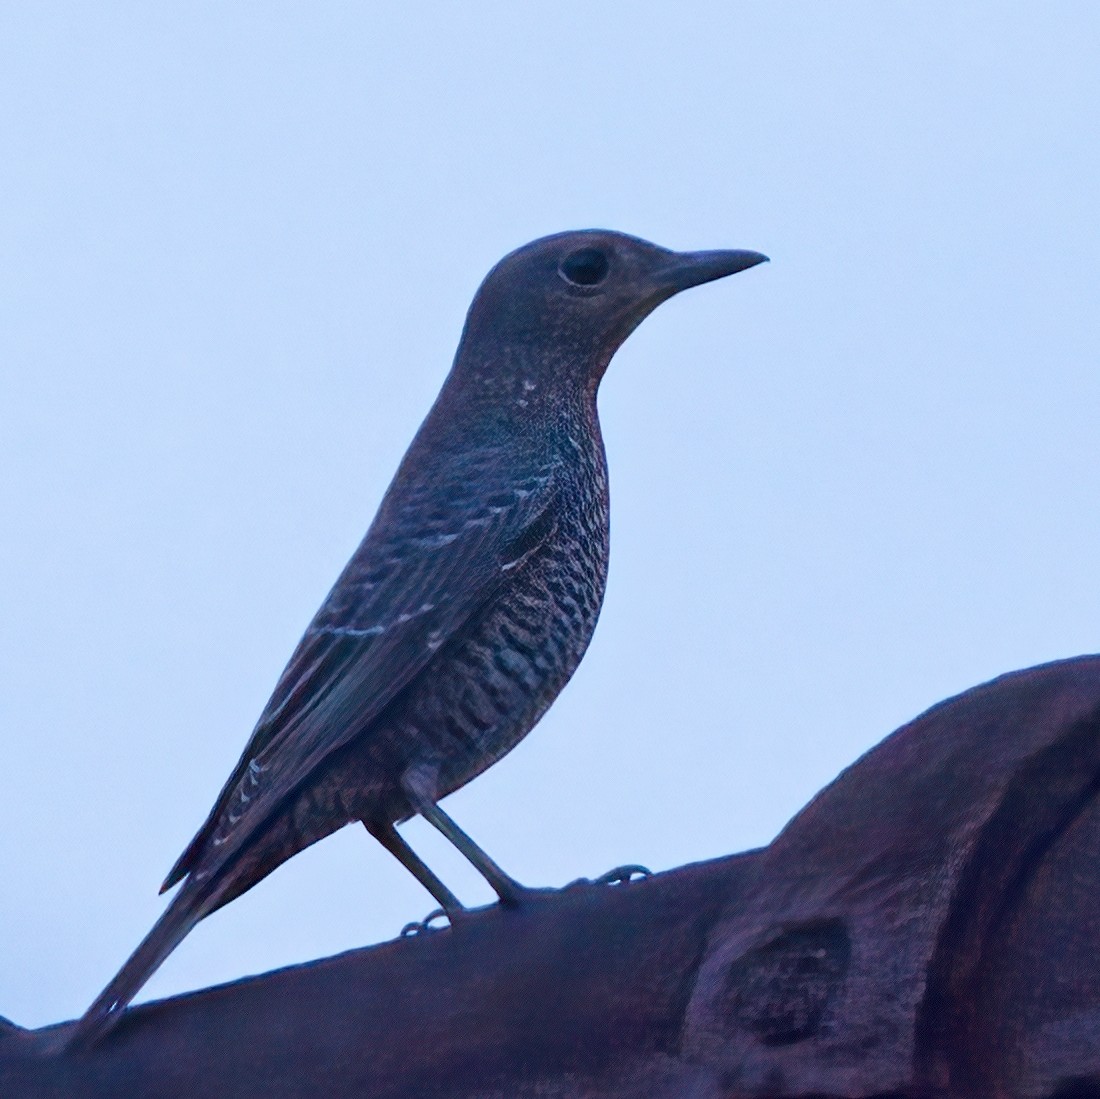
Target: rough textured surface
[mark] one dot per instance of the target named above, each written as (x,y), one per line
(927,926)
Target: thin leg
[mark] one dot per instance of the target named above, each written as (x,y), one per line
(392,841)
(422,797)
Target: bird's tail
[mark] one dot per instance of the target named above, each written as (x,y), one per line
(186,910)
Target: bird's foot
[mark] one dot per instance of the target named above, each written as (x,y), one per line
(619,875)
(623,875)
(427,924)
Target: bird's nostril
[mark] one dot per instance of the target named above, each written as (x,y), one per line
(584,268)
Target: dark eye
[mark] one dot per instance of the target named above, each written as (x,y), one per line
(584,268)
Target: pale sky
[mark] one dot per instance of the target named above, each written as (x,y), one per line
(236,247)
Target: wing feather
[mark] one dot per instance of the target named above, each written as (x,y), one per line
(420,573)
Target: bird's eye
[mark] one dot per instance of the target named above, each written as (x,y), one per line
(584,268)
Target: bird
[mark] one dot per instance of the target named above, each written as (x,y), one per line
(466,608)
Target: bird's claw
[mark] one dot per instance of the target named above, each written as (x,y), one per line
(621,875)
(426,925)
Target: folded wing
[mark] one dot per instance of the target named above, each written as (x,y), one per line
(419,575)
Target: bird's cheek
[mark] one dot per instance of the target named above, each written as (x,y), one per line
(629,321)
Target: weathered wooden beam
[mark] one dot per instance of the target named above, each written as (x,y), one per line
(928,925)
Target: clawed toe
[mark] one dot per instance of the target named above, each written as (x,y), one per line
(426,925)
(621,875)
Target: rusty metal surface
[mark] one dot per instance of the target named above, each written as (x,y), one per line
(928,925)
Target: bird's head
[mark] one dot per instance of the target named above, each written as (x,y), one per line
(565,303)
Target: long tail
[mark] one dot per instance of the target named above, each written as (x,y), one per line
(186,910)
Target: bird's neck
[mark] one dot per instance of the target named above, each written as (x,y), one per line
(507,405)
(523,385)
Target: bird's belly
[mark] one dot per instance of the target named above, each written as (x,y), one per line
(487,688)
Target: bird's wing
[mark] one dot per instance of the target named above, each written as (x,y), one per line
(420,573)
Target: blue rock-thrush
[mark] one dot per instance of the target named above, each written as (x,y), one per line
(469,603)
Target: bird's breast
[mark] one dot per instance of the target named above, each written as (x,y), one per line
(489,686)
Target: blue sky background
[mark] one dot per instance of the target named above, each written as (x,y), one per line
(236,248)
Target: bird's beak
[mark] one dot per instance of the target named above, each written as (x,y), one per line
(687,269)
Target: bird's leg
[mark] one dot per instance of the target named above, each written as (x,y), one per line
(506,887)
(420,788)
(392,841)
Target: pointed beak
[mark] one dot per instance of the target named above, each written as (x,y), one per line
(687,269)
